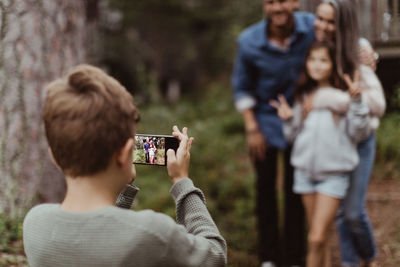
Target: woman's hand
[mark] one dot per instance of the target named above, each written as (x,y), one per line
(285,112)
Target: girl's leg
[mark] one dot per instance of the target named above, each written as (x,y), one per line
(325,209)
(355,231)
(308,202)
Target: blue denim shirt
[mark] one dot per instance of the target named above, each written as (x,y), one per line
(263,70)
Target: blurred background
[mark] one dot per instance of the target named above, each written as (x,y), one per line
(175,57)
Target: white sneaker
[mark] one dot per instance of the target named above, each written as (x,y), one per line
(268,264)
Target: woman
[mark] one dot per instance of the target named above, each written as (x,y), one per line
(337,21)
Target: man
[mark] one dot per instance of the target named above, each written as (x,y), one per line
(269,58)
(95,154)
(296,5)
(146,146)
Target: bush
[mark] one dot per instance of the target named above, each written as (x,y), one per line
(219,164)
(10,232)
(388,147)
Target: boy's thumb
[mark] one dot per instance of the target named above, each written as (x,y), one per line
(171,155)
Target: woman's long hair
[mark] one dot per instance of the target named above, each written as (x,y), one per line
(347,36)
(306,84)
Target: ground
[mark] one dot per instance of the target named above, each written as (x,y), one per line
(383,204)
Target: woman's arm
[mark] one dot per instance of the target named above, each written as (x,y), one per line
(372,91)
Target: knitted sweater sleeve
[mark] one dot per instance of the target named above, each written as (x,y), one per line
(196,241)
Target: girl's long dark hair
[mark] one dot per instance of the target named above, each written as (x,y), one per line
(306,84)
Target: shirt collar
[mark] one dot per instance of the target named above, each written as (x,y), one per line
(300,28)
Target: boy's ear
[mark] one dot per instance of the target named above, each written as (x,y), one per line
(53,159)
(124,156)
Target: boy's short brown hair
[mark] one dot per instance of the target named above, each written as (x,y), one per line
(88,115)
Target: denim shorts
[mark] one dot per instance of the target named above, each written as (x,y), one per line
(335,185)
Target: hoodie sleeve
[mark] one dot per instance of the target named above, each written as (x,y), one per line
(358,126)
(292,127)
(372,91)
(333,99)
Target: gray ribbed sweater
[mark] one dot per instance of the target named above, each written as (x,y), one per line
(116,237)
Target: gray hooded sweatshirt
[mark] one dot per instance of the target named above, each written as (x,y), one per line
(324,144)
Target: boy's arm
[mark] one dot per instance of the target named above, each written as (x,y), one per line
(198,242)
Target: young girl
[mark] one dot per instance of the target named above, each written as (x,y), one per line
(324,148)
(152,152)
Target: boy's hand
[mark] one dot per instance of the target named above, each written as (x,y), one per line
(178,164)
(285,112)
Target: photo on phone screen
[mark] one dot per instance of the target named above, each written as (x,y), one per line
(151,149)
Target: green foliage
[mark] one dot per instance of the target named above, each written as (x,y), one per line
(388,148)
(219,164)
(162,40)
(10,232)
(395,99)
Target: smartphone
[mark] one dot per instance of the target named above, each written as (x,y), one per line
(151,149)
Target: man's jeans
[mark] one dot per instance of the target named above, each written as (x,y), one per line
(356,237)
(289,248)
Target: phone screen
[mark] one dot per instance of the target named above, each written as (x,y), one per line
(151,149)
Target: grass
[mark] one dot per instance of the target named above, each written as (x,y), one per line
(10,233)
(388,148)
(219,166)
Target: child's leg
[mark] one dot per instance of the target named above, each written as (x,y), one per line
(309,203)
(325,208)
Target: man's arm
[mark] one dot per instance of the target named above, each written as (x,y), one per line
(245,101)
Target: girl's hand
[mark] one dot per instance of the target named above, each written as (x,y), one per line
(285,112)
(354,86)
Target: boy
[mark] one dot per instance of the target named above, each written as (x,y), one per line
(90,124)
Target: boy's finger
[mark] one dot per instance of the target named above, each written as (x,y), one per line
(182,149)
(189,145)
(185,131)
(171,155)
(176,132)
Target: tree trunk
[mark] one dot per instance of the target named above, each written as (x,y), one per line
(39,41)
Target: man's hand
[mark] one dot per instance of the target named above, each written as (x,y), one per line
(255,139)
(285,112)
(256,143)
(178,164)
